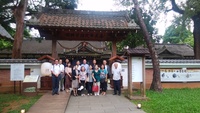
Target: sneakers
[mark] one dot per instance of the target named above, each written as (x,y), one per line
(80,88)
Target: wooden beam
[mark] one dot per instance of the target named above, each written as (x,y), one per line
(129,77)
(143,77)
(114,48)
(80,34)
(54,52)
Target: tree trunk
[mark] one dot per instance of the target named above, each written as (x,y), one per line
(196,34)
(156,83)
(19,14)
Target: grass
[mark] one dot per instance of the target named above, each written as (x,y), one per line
(13,103)
(172,101)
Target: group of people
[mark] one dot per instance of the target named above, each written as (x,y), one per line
(83,76)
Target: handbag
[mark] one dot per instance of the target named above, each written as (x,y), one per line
(95,87)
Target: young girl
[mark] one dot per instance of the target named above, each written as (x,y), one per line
(103,79)
(82,78)
(68,71)
(90,80)
(96,76)
(75,76)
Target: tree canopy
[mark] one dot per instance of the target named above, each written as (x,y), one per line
(135,39)
(178,35)
(189,10)
(11,13)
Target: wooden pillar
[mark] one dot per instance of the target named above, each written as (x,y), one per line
(114,48)
(143,77)
(54,52)
(129,77)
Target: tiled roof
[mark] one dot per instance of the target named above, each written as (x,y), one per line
(65,18)
(138,51)
(179,49)
(175,61)
(19,61)
(5,34)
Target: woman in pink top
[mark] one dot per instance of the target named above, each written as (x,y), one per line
(68,71)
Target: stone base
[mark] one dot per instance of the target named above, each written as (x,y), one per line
(131,97)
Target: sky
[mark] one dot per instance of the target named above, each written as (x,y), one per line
(97,5)
(110,5)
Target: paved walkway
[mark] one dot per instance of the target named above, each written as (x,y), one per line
(64,103)
(49,103)
(101,104)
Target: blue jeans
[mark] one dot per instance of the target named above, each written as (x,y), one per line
(55,84)
(117,86)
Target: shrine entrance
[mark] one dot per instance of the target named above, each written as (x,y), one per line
(83,26)
(85,50)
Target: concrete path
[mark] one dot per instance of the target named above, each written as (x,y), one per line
(101,104)
(49,103)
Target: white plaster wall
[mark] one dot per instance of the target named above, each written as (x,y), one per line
(125,75)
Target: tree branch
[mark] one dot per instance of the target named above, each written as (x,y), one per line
(176,8)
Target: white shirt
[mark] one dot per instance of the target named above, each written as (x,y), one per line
(116,73)
(79,67)
(62,68)
(56,69)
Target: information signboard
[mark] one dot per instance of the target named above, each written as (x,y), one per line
(136,69)
(17,72)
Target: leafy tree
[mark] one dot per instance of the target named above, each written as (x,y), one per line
(133,40)
(189,9)
(156,82)
(146,23)
(178,34)
(5,44)
(136,39)
(15,11)
(62,4)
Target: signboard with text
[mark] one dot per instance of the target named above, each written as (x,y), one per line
(136,69)
(175,75)
(17,72)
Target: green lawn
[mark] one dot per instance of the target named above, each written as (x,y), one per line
(13,103)
(172,101)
